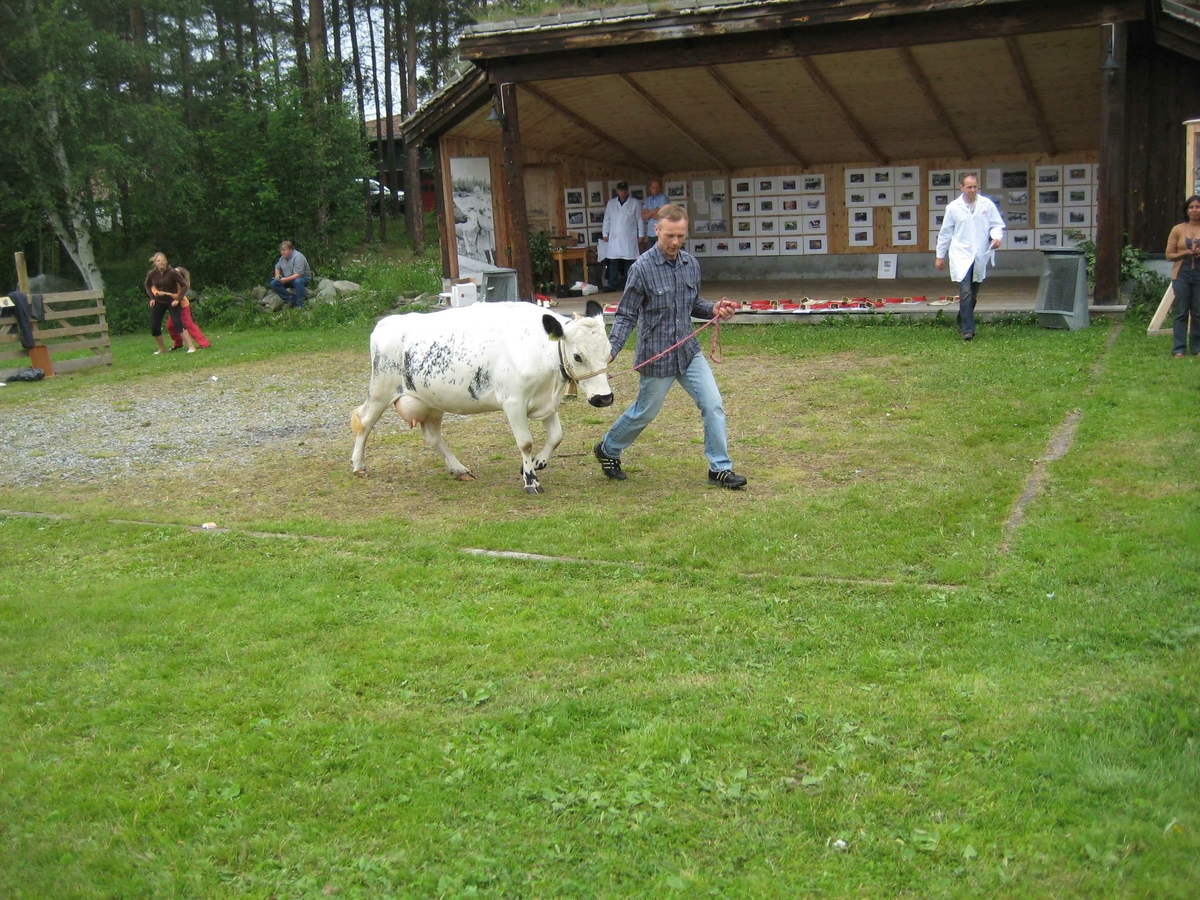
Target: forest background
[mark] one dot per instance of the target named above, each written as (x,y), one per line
(208,129)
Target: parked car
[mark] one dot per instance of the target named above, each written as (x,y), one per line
(383,192)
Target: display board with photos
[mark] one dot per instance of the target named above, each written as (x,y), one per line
(778,215)
(871,192)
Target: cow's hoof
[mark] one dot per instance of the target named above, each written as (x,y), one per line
(464,476)
(361,473)
(534,488)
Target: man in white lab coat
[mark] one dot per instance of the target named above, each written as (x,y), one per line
(623,226)
(971,232)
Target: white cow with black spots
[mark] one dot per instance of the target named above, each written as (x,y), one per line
(514,357)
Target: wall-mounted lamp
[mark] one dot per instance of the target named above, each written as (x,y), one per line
(497,113)
(1110,63)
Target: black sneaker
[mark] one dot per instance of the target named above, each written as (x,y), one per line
(727,478)
(611,464)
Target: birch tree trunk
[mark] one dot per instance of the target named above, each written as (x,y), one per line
(414,211)
(73,231)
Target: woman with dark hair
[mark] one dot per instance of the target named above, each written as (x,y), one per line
(166,290)
(1183,248)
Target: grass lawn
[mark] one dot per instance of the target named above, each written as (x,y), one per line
(837,683)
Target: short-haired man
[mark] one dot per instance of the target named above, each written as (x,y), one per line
(971,232)
(654,201)
(292,275)
(622,227)
(662,293)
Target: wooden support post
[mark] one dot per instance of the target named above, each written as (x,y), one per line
(1110,225)
(445,232)
(514,185)
(22,272)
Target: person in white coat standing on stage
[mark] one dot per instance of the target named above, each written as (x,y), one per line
(623,226)
(971,231)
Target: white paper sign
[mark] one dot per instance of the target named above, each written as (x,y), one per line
(887,265)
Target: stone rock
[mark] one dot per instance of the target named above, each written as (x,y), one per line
(326,291)
(347,287)
(259,292)
(272,302)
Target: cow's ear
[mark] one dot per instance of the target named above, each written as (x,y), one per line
(553,327)
(594,310)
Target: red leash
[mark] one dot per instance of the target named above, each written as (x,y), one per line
(716,349)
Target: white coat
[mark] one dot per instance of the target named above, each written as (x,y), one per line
(623,224)
(967,233)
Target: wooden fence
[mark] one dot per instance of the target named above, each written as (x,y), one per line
(75,325)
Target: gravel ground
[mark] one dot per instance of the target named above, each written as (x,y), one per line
(115,433)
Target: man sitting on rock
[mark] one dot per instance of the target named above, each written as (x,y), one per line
(292,275)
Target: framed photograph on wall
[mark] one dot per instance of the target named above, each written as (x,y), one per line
(765,186)
(790,225)
(812,184)
(721,247)
(1049,197)
(743,227)
(743,187)
(791,247)
(1017,218)
(698,247)
(1078,173)
(790,204)
(767,206)
(1011,178)
(814,225)
(904,215)
(766,225)
(574,197)
(862,237)
(595,237)
(860,217)
(858,197)
(637,191)
(940,179)
(577,218)
(676,191)
(941,199)
(857,178)
(1077,195)
(815,246)
(907,196)
(904,236)
(1048,175)
(813,204)
(595,216)
(1048,238)
(743,207)
(882,177)
(595,193)
(700,226)
(908,176)
(883,196)
(1077,217)
(1049,218)
(1073,237)
(743,247)
(1017,198)
(1020,239)
(936,217)
(789,184)
(933,239)
(767,246)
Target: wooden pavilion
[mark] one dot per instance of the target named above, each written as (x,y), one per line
(1070,112)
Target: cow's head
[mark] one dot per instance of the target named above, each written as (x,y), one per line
(584,351)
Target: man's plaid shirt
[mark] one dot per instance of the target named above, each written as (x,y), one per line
(660,298)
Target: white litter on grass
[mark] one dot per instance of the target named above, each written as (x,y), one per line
(213,378)
(839,844)
(209,526)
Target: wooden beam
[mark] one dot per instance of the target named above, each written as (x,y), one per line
(1110,214)
(683,129)
(446,233)
(587,126)
(513,160)
(548,60)
(1031,97)
(827,89)
(764,122)
(926,89)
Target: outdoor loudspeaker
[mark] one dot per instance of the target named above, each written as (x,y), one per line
(499,285)
(1062,298)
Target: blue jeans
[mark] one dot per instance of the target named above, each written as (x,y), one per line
(297,286)
(700,385)
(1187,301)
(615,271)
(968,293)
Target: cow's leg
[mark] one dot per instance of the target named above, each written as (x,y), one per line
(554,436)
(431,429)
(518,420)
(363,419)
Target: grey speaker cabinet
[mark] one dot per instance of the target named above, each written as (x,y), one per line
(1062,297)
